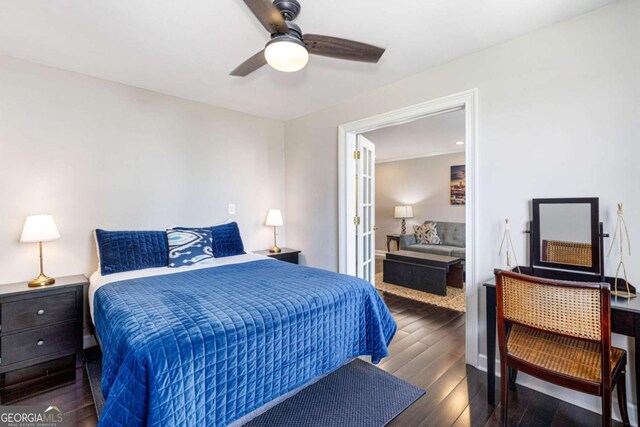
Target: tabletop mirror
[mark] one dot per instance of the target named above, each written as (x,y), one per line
(566,235)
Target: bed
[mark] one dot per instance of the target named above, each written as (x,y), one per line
(214,343)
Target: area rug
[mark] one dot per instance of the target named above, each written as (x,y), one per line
(357,394)
(454,300)
(93,364)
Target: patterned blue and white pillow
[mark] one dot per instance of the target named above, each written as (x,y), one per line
(189,246)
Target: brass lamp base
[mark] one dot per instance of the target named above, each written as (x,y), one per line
(275,249)
(41,280)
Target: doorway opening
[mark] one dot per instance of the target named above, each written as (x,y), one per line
(357,203)
(420,209)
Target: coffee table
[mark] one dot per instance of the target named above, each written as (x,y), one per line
(423,272)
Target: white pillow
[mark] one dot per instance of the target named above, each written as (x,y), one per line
(95,241)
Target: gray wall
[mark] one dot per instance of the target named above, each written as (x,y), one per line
(557,116)
(422,183)
(98,154)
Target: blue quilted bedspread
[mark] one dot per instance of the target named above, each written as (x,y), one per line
(205,347)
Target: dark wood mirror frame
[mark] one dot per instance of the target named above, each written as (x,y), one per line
(596,236)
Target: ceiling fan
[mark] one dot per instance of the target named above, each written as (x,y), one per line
(289,49)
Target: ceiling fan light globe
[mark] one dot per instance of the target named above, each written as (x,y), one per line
(286,54)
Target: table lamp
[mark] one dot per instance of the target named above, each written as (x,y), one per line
(274,219)
(404,212)
(40,228)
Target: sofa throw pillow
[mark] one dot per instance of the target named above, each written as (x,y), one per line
(427,233)
(189,246)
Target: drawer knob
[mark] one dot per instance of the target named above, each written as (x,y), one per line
(40,342)
(40,312)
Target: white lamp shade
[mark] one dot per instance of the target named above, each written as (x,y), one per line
(274,218)
(39,228)
(404,212)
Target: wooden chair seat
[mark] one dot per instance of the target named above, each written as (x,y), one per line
(567,356)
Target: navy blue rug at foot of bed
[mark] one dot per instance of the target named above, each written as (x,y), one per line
(93,364)
(357,394)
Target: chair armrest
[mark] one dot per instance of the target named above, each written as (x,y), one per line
(406,240)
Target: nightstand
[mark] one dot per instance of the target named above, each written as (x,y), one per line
(287,255)
(40,335)
(391,238)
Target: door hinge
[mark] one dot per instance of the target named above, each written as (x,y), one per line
(356,220)
(356,155)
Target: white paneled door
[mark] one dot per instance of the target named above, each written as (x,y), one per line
(365,209)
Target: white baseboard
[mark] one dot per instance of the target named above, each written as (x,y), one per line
(588,402)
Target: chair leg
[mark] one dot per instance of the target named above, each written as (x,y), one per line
(606,407)
(513,376)
(622,398)
(504,389)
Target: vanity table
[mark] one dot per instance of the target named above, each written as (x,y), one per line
(566,243)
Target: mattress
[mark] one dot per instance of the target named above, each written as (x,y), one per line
(209,345)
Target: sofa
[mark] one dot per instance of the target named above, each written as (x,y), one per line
(452,238)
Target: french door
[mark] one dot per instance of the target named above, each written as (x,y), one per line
(365,209)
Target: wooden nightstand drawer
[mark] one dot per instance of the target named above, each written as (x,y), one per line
(286,255)
(40,342)
(39,311)
(292,258)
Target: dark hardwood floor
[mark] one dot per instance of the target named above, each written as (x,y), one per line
(428,351)
(74,399)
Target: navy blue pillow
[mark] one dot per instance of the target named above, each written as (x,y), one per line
(227,240)
(131,250)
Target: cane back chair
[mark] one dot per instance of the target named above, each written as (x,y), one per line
(559,332)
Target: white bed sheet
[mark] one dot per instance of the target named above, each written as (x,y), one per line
(97,280)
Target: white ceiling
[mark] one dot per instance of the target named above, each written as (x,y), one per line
(429,136)
(187,49)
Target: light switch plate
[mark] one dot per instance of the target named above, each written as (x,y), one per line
(232,209)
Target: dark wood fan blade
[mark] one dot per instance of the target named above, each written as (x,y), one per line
(250,65)
(335,47)
(268,15)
